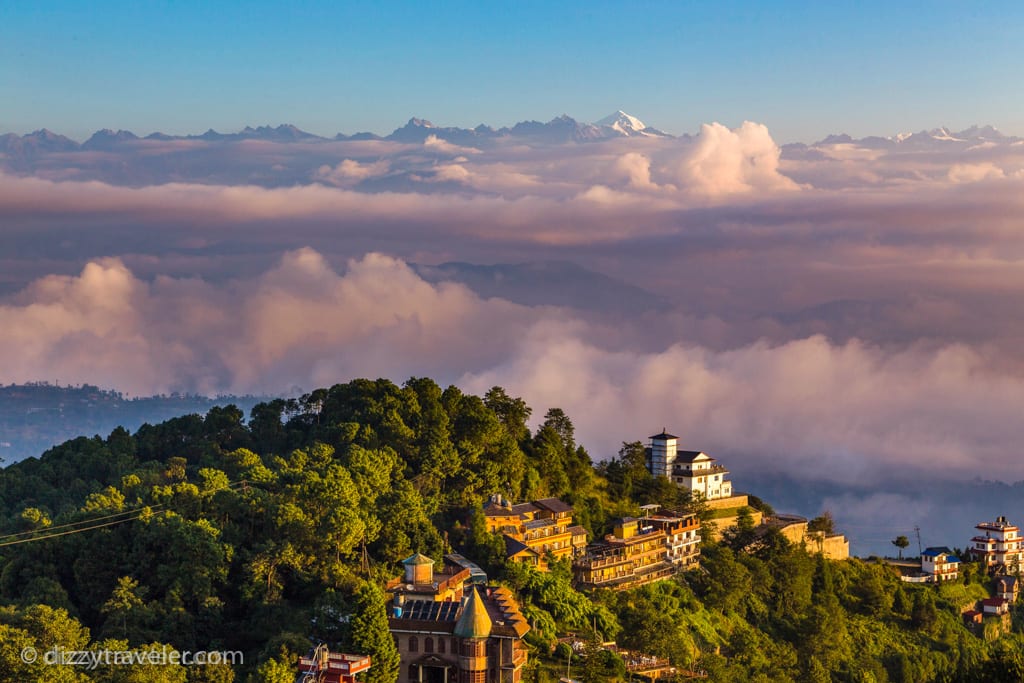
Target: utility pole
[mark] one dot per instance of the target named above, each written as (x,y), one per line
(917,530)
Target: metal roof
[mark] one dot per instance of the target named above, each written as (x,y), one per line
(430,610)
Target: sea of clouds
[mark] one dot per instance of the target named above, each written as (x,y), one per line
(843,311)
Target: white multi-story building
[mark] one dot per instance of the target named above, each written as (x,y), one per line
(695,470)
(998,545)
(940,563)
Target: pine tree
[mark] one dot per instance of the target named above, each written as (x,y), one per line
(370,634)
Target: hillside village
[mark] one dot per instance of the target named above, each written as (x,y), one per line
(451,625)
(410,534)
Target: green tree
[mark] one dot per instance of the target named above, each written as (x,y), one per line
(282,668)
(370,634)
(901,542)
(627,474)
(901,604)
(741,535)
(592,665)
(513,413)
(823,523)
(923,614)
(34,519)
(140,672)
(13,643)
(125,600)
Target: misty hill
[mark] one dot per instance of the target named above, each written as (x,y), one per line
(555,283)
(35,417)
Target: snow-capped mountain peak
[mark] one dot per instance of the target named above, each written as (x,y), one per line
(622,121)
(622,124)
(943,133)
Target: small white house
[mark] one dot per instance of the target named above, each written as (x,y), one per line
(940,564)
(995,606)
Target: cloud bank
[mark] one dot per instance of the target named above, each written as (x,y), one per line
(851,411)
(838,309)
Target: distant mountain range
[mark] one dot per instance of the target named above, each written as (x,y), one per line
(559,129)
(936,138)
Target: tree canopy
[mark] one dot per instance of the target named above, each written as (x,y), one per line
(272,534)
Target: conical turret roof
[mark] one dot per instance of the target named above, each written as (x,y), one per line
(474,622)
(418,558)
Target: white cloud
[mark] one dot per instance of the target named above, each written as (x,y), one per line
(436,144)
(737,161)
(350,172)
(635,169)
(972,173)
(299,323)
(846,413)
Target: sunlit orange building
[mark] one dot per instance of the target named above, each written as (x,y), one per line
(536,530)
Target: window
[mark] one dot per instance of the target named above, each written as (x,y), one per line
(440,645)
(414,645)
(428,645)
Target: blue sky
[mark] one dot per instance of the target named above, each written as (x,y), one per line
(803,68)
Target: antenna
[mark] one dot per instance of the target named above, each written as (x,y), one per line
(917,530)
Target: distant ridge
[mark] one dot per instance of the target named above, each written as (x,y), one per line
(38,415)
(562,128)
(936,137)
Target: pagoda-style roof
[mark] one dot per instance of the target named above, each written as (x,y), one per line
(691,456)
(418,558)
(474,621)
(664,436)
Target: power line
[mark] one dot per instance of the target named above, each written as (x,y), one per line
(72,531)
(81,521)
(138,513)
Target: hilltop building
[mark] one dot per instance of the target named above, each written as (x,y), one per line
(940,564)
(536,530)
(640,551)
(998,546)
(694,470)
(698,472)
(449,628)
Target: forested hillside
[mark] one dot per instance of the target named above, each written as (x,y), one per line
(37,416)
(271,534)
